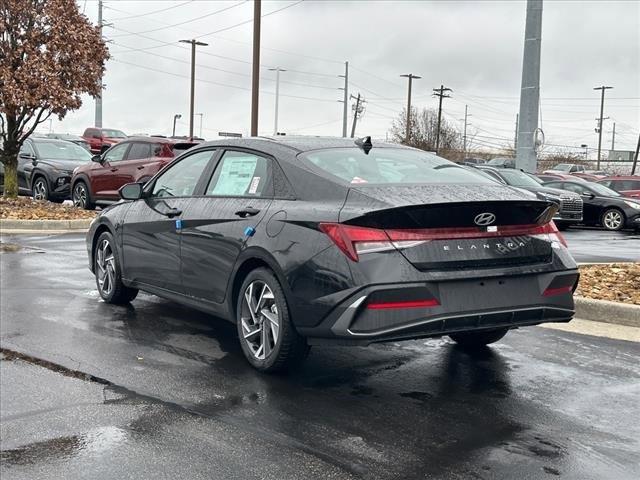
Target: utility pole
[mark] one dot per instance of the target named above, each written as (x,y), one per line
(526,155)
(345,113)
(255,73)
(515,138)
(635,158)
(200,115)
(358,110)
(275,122)
(440,92)
(193,43)
(410,76)
(464,136)
(602,89)
(613,138)
(98,117)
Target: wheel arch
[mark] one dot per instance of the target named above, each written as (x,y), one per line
(100,229)
(248,261)
(35,174)
(81,177)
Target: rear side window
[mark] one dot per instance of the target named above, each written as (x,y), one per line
(139,150)
(391,165)
(627,185)
(241,174)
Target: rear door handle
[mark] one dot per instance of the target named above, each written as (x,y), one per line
(247,212)
(114,169)
(140,167)
(174,212)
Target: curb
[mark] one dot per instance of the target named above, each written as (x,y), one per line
(607,312)
(28,226)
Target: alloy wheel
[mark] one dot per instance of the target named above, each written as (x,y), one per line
(612,220)
(40,190)
(79,195)
(106,268)
(260,319)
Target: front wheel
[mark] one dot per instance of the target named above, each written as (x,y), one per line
(81,197)
(479,338)
(109,273)
(267,336)
(613,219)
(40,189)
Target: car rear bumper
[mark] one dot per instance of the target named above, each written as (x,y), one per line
(378,313)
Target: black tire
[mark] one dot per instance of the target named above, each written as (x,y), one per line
(478,339)
(289,348)
(56,200)
(40,189)
(107,269)
(562,226)
(81,196)
(613,219)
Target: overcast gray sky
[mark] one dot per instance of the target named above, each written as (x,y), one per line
(473,47)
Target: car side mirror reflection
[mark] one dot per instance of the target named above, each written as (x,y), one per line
(131,191)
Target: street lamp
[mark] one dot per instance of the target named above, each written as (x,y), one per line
(200,115)
(193,43)
(410,76)
(175,117)
(275,122)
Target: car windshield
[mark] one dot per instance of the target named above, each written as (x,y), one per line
(62,150)
(391,165)
(535,179)
(497,161)
(563,167)
(516,178)
(602,190)
(113,134)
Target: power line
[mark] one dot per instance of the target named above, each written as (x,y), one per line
(147,13)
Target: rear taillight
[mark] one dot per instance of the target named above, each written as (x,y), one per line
(354,240)
(431,302)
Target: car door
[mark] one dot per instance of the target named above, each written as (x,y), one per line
(129,167)
(151,233)
(218,225)
(106,179)
(25,166)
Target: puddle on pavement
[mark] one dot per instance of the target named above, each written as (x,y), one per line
(7,247)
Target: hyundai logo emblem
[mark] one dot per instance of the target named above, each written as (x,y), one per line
(484,219)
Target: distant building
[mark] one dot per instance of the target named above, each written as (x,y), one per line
(621,155)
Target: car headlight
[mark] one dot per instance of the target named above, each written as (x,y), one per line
(631,204)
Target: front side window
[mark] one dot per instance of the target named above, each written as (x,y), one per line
(28,149)
(181,178)
(241,174)
(572,187)
(139,150)
(115,154)
(604,191)
(391,165)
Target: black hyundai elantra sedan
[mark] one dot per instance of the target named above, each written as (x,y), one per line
(309,240)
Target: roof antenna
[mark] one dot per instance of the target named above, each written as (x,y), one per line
(365,144)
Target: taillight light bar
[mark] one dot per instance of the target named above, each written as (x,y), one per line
(431,302)
(551,292)
(354,240)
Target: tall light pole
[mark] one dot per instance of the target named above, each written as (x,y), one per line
(466,124)
(275,122)
(193,43)
(98,114)
(346,99)
(602,88)
(526,156)
(255,73)
(200,115)
(175,117)
(410,76)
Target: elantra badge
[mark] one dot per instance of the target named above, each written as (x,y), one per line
(484,219)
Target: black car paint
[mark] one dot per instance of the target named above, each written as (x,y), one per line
(31,165)
(202,263)
(596,204)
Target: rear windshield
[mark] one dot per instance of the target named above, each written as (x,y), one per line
(563,167)
(113,134)
(391,165)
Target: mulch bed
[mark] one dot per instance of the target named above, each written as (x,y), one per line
(25,208)
(617,282)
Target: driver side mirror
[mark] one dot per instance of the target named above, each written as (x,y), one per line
(131,191)
(26,156)
(96,158)
(589,196)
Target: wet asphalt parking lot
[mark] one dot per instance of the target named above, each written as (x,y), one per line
(156,390)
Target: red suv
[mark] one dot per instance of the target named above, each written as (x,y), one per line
(135,159)
(627,185)
(100,139)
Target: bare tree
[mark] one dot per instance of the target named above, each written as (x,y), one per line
(50,54)
(423,132)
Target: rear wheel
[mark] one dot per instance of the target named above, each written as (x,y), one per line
(612,219)
(267,336)
(478,339)
(109,274)
(81,197)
